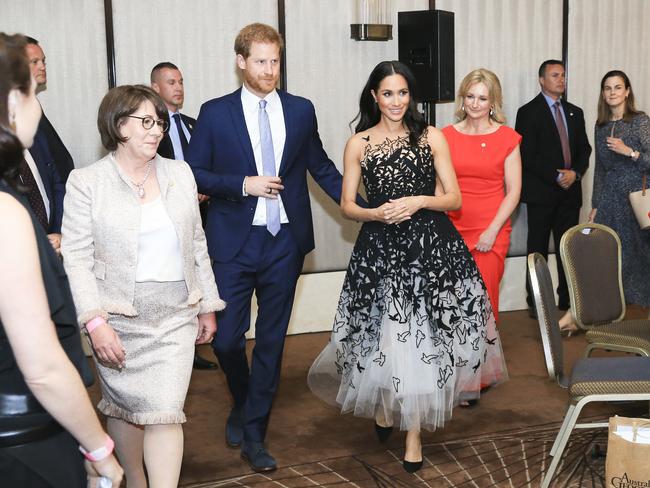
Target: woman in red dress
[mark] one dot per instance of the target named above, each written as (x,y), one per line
(485,155)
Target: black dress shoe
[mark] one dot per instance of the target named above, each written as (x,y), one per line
(383,433)
(235,428)
(410,467)
(257,457)
(201,363)
(532,313)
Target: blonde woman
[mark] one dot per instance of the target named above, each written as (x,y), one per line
(485,156)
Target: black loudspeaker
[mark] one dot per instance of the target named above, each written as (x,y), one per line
(426,45)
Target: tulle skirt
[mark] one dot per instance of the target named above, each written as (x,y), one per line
(414,333)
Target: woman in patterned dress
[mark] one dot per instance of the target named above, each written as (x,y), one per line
(622,137)
(414,333)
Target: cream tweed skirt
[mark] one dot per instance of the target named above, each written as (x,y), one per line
(159,344)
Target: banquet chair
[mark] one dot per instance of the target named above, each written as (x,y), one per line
(598,379)
(591,256)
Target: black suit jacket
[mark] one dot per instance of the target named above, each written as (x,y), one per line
(165,148)
(62,159)
(541,152)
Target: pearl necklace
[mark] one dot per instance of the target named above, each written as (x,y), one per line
(140,186)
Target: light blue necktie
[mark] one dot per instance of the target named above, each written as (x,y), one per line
(268,167)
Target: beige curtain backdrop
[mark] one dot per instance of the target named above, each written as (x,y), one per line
(510,38)
(197,35)
(329,68)
(75,53)
(606,35)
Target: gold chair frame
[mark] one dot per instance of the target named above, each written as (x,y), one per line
(605,332)
(600,379)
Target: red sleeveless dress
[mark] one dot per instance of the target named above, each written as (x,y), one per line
(479,164)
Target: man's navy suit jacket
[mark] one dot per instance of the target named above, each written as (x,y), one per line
(221,155)
(60,154)
(52,181)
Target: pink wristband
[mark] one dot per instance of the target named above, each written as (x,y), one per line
(94,323)
(101,452)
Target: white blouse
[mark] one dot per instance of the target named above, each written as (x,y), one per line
(159,250)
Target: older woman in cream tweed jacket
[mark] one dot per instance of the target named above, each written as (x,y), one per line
(137,260)
(101,235)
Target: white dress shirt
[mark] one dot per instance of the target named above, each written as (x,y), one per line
(175,138)
(251,105)
(39,181)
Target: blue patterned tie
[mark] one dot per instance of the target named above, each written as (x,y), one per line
(268,166)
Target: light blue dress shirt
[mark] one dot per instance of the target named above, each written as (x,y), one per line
(175,138)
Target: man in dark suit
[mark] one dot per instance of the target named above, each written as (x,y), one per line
(250,152)
(555,155)
(61,157)
(167,81)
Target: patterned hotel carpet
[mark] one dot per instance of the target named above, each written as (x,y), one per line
(513,459)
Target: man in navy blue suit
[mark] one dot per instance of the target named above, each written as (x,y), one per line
(250,152)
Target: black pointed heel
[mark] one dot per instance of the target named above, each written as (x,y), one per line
(468,403)
(383,433)
(410,467)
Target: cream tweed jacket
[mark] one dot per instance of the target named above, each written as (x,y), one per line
(99,244)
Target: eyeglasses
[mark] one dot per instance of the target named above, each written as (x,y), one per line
(148,122)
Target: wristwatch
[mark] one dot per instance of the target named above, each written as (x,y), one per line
(578,176)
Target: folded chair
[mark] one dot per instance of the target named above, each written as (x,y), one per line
(591,256)
(599,379)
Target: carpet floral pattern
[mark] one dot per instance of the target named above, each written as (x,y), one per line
(508,459)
